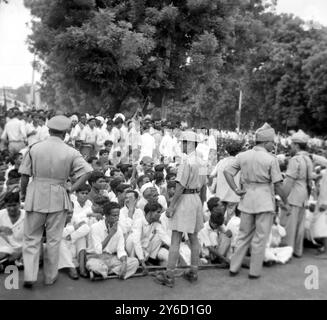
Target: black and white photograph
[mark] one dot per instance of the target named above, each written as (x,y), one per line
(169,152)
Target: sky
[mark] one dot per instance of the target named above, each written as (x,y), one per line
(16,60)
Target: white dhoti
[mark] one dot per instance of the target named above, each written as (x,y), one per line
(153,250)
(68,253)
(279,255)
(107,263)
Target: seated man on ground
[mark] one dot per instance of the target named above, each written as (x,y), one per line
(11,230)
(129,212)
(148,241)
(214,241)
(73,247)
(150,194)
(274,253)
(98,185)
(106,251)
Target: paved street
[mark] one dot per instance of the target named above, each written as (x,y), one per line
(278,282)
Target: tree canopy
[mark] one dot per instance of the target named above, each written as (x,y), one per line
(188,57)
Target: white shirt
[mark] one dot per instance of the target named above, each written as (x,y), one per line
(207,238)
(142,234)
(89,135)
(234,226)
(148,145)
(16,239)
(166,147)
(29,127)
(42,133)
(14,130)
(116,244)
(125,222)
(223,190)
(79,233)
(80,213)
(105,135)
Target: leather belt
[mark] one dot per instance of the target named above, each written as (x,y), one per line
(191,191)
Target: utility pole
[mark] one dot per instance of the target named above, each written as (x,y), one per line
(239,111)
(32,86)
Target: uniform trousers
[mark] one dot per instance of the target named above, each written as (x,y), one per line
(254,231)
(34,225)
(293,222)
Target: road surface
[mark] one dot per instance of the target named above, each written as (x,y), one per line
(277,282)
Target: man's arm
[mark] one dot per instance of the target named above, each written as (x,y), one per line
(230,180)
(286,187)
(80,181)
(23,185)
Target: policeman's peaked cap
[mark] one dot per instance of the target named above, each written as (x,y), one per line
(59,123)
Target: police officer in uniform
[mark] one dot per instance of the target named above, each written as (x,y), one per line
(261,178)
(49,164)
(185,210)
(298,183)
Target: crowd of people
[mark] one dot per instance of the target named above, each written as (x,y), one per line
(94,196)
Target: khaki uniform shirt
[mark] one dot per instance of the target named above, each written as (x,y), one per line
(300,169)
(50,163)
(259,171)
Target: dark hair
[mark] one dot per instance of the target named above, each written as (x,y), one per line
(213,202)
(170,175)
(159,177)
(159,168)
(91,159)
(100,200)
(171,184)
(102,151)
(12,197)
(14,157)
(152,206)
(14,174)
(95,175)
(108,142)
(217,217)
(136,195)
(122,187)
(83,187)
(150,174)
(302,146)
(112,172)
(118,121)
(140,179)
(114,184)
(110,206)
(233,148)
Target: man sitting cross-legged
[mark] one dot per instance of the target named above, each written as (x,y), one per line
(148,239)
(107,246)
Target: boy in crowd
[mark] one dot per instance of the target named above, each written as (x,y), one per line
(148,241)
(107,246)
(98,185)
